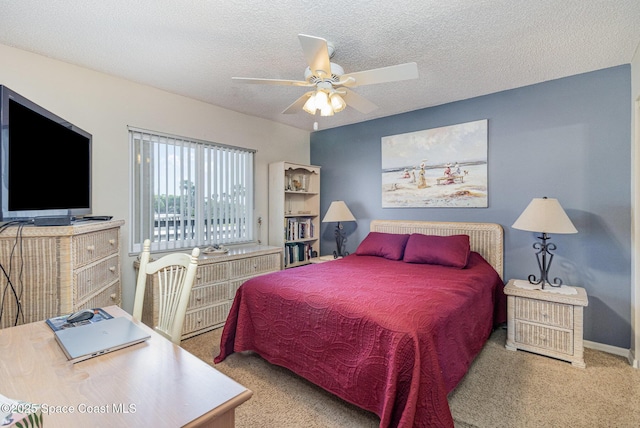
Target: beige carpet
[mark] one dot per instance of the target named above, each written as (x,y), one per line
(502,389)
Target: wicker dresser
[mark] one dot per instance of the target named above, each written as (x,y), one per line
(217,279)
(56,270)
(546,323)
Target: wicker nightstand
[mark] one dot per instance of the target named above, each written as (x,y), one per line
(546,323)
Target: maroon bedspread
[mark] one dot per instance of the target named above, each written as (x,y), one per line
(391,337)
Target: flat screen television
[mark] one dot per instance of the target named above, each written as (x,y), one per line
(45,162)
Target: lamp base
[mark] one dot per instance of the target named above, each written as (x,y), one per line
(340,242)
(543,263)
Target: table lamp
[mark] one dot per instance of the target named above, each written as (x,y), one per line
(544,215)
(339,212)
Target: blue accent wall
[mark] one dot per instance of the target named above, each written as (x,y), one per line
(568,139)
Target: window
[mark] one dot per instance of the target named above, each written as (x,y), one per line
(188,193)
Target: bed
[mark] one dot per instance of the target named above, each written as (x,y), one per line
(392,328)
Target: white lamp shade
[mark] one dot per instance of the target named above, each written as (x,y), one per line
(322,100)
(326,110)
(328,104)
(337,103)
(310,105)
(544,215)
(338,211)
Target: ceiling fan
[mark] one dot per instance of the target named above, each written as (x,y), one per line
(331,93)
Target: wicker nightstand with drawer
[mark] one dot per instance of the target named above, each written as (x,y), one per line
(546,323)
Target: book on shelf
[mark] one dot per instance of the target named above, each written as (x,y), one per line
(61,323)
(297,252)
(298,228)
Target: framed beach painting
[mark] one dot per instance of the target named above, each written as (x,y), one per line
(439,167)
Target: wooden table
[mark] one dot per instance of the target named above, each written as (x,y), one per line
(155,383)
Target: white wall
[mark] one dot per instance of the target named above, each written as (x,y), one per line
(634,356)
(104,105)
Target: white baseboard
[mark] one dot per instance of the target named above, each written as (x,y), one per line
(615,350)
(633,360)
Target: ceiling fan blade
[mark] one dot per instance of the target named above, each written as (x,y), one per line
(358,102)
(393,73)
(297,104)
(317,54)
(271,81)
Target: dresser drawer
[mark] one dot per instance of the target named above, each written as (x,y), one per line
(90,247)
(207,295)
(234,285)
(252,266)
(107,297)
(205,318)
(212,273)
(93,277)
(543,312)
(540,336)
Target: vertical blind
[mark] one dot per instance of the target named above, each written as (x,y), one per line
(188,193)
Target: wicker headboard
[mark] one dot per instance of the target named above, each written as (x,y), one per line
(485,238)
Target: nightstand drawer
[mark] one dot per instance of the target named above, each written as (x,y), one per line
(543,312)
(540,336)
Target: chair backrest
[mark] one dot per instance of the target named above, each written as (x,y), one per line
(175,274)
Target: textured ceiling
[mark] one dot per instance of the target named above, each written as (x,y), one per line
(463,48)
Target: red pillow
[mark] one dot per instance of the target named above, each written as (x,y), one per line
(451,250)
(387,245)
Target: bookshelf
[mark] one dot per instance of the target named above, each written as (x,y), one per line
(294,211)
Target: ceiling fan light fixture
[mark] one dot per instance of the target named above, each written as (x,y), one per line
(337,102)
(310,105)
(326,110)
(322,100)
(325,78)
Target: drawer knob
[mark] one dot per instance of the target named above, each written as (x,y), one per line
(91,247)
(112,241)
(199,320)
(113,296)
(198,299)
(112,268)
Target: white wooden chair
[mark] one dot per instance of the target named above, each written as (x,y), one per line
(175,275)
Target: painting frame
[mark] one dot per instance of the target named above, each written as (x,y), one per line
(443,167)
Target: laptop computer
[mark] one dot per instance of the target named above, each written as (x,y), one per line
(88,341)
